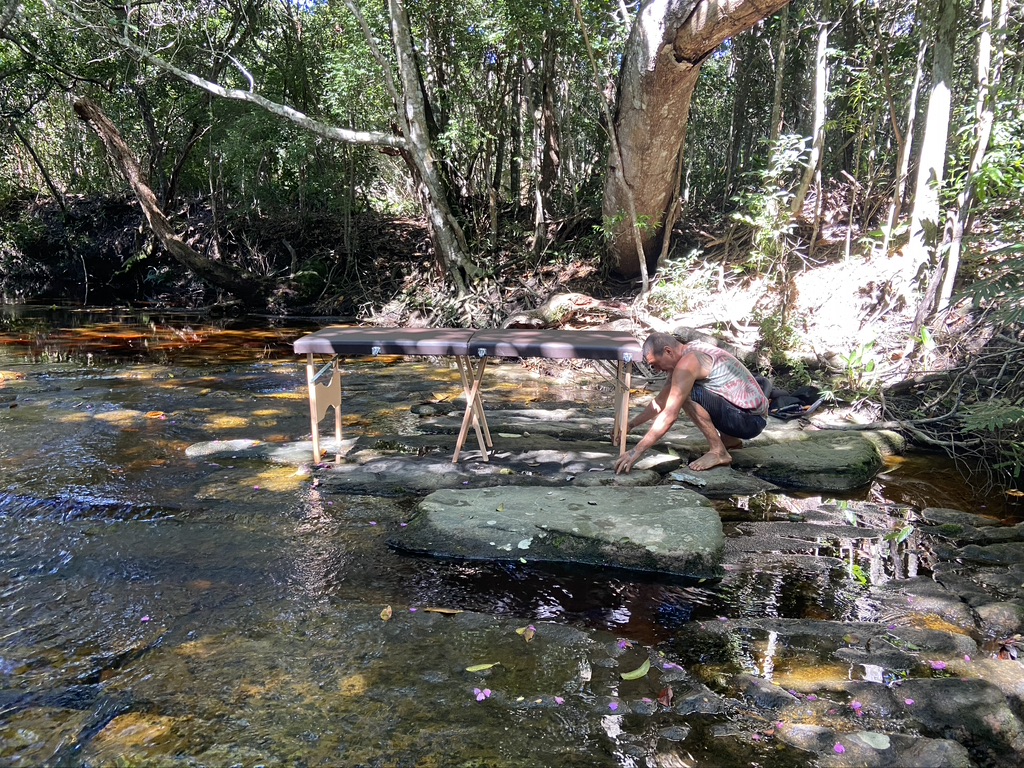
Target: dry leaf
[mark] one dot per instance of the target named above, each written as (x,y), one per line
(528,633)
(443,611)
(386,613)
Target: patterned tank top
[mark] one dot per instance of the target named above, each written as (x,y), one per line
(730,379)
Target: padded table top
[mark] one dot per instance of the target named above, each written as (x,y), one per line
(491,342)
(559,345)
(347,340)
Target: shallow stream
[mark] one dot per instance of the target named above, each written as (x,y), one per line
(160,610)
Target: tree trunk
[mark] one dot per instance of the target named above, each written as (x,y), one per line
(239,283)
(775,128)
(903,141)
(669,41)
(818,130)
(924,221)
(446,234)
(988,81)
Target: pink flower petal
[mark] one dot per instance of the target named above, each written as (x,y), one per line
(940,665)
(909,702)
(613,706)
(811,697)
(856,706)
(838,748)
(559,700)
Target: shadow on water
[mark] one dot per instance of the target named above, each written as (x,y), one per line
(158,607)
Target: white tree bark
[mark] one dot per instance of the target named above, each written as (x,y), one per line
(818,129)
(924,221)
(988,80)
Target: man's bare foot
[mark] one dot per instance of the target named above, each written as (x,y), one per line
(710,460)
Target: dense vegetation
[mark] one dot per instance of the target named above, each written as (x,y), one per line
(461,162)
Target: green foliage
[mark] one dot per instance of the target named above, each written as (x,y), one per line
(993,415)
(859,368)
(899,535)
(1002,290)
(764,206)
(610,224)
(681,283)
(776,337)
(858,573)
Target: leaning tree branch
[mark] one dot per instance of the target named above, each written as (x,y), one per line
(235,281)
(345,135)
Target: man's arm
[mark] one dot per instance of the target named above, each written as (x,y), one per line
(667,406)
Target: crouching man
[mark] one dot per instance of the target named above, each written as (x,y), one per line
(714,389)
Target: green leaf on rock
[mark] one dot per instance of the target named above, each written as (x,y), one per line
(637,673)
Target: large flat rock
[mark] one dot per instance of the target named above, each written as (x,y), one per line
(659,529)
(817,461)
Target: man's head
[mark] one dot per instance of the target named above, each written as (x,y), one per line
(661,351)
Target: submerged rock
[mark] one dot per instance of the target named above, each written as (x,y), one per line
(675,532)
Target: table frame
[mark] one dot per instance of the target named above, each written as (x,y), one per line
(464,345)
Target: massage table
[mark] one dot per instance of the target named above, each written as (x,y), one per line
(471,350)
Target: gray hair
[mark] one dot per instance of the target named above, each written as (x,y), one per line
(657,342)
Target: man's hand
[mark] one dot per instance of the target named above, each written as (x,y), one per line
(626,462)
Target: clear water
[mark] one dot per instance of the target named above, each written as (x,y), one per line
(159,610)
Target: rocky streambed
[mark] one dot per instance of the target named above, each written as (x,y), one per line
(876,635)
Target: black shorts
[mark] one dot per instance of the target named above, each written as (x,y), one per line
(727,418)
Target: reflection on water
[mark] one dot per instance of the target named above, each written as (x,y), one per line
(156,606)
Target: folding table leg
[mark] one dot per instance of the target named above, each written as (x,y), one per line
(474,408)
(623,379)
(313,420)
(336,377)
(479,419)
(322,397)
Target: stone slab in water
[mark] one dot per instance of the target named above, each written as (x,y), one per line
(658,529)
(820,461)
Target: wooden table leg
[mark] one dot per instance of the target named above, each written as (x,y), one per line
(336,378)
(313,420)
(322,397)
(623,380)
(474,408)
(479,418)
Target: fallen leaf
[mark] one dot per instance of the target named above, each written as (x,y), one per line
(637,673)
(666,696)
(482,667)
(386,613)
(528,633)
(877,741)
(443,611)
